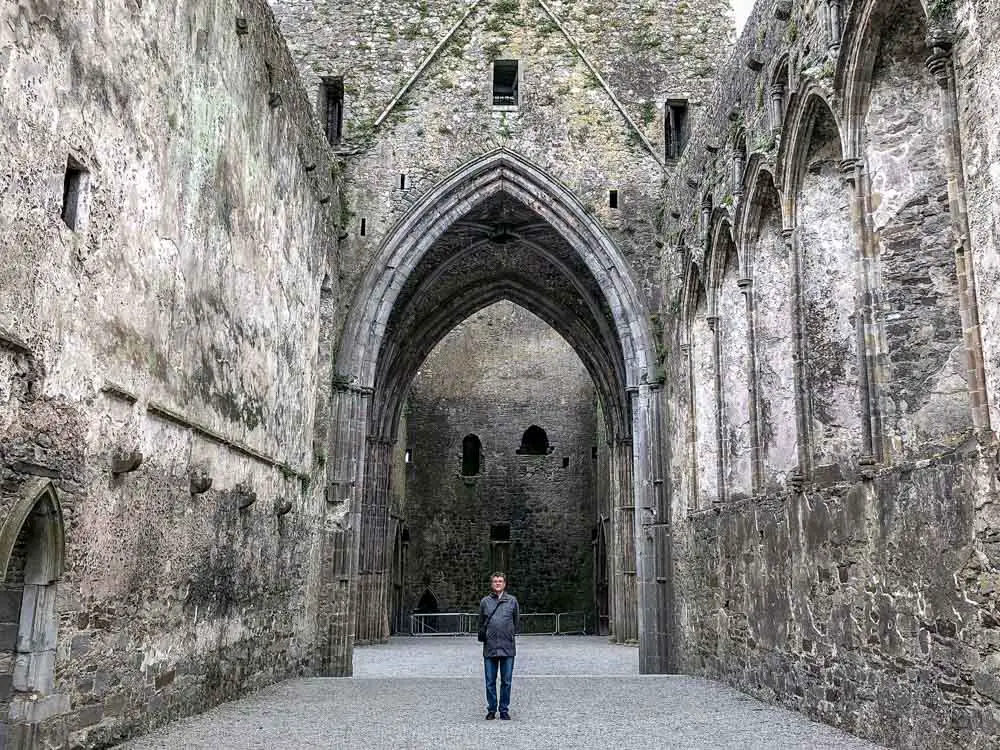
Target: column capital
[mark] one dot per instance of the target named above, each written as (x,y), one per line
(850,168)
(787,234)
(939,64)
(745,283)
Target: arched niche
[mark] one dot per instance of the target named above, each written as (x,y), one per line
(827,247)
(901,132)
(32,556)
(472,456)
(771,270)
(733,334)
(534,442)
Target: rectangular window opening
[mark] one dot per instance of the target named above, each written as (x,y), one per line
(613,198)
(364,227)
(408,456)
(402,182)
(505,83)
(332,109)
(565,462)
(593,452)
(74,187)
(499,532)
(676,127)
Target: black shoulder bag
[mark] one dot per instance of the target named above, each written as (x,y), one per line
(482,628)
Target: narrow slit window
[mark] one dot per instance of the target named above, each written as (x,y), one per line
(613,198)
(676,127)
(332,108)
(74,194)
(364,227)
(472,452)
(505,92)
(402,182)
(565,462)
(408,456)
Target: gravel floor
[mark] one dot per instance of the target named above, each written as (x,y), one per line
(568,692)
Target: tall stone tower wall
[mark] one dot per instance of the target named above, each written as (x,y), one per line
(495,376)
(166,225)
(593,86)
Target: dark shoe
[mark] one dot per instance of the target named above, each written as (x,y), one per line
(492,715)
(505,716)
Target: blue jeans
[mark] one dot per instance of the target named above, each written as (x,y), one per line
(505,666)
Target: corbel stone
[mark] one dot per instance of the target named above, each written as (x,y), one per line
(242,27)
(245,496)
(125,463)
(753,62)
(282,507)
(199,481)
(274,100)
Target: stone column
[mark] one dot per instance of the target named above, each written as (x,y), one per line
(652,532)
(941,66)
(720,444)
(375,547)
(777,105)
(866,328)
(691,455)
(338,558)
(625,593)
(739,166)
(756,450)
(833,24)
(799,348)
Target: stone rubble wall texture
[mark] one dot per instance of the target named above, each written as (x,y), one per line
(834,523)
(857,583)
(179,320)
(500,372)
(646,52)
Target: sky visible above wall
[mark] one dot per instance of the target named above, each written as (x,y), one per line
(742,9)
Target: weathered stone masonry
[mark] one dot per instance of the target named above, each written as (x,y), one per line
(498,374)
(160,366)
(210,320)
(848,343)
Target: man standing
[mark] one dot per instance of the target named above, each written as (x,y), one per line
(498,614)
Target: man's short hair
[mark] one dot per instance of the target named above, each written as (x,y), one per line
(498,574)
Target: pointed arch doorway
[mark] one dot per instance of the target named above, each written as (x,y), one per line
(500,228)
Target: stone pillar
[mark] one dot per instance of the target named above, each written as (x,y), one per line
(756,449)
(626,625)
(338,557)
(691,455)
(833,24)
(777,105)
(375,547)
(866,327)
(720,445)
(652,532)
(739,167)
(941,67)
(799,348)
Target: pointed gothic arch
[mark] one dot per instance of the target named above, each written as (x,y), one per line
(32,560)
(558,263)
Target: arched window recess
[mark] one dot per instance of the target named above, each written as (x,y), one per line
(534,442)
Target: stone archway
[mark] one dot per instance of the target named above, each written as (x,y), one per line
(501,228)
(32,550)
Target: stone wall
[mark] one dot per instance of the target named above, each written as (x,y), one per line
(497,374)
(159,352)
(418,99)
(855,582)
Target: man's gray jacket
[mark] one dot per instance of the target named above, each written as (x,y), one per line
(502,626)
